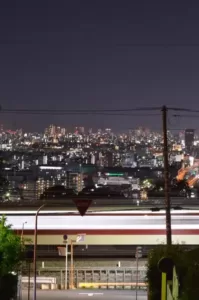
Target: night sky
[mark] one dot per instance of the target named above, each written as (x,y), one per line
(98,55)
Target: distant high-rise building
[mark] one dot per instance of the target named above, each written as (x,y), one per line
(58,130)
(52,130)
(45,160)
(92,159)
(60,157)
(74,181)
(189,138)
(109,158)
(79,130)
(30,190)
(63,131)
(108,130)
(22,164)
(99,131)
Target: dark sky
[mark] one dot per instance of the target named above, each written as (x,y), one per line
(87,54)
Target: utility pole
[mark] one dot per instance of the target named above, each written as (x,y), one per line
(166,176)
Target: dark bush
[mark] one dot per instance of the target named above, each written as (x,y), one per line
(153,277)
(8,287)
(190,282)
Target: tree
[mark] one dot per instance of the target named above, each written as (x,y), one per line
(11,249)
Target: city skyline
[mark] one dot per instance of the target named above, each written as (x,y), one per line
(67,129)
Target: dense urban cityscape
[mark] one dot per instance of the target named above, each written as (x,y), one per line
(58,163)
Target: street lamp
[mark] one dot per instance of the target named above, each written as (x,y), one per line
(138,254)
(72,264)
(35,254)
(22,230)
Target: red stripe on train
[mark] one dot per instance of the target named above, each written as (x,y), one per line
(112,232)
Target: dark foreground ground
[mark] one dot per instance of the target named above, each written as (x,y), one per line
(86,294)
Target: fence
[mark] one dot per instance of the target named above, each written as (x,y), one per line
(95,275)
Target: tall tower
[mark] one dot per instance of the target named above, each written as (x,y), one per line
(189,139)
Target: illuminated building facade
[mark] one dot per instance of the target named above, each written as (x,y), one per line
(189,138)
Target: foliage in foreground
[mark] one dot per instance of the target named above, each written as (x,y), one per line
(190,285)
(10,249)
(187,266)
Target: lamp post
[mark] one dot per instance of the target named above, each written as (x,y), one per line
(35,254)
(138,254)
(22,230)
(71,264)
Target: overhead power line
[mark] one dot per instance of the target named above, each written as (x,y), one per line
(186,116)
(82,114)
(80,110)
(122,111)
(108,112)
(183,109)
